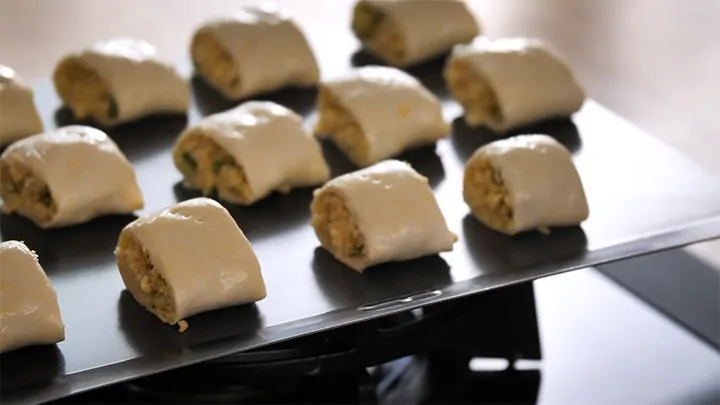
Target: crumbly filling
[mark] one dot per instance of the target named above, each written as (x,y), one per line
(84,92)
(209,168)
(335,226)
(474,93)
(379,33)
(486,194)
(25,193)
(342,128)
(154,292)
(215,63)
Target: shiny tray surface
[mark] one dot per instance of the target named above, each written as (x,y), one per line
(643,196)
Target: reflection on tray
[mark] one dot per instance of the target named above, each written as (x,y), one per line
(150,337)
(47,363)
(429,73)
(79,247)
(271,215)
(495,252)
(137,139)
(466,139)
(423,159)
(209,101)
(343,286)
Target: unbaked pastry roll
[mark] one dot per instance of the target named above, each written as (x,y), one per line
(523,183)
(377,112)
(29,310)
(120,80)
(66,177)
(18,116)
(188,258)
(256,50)
(246,153)
(511,82)
(405,32)
(386,212)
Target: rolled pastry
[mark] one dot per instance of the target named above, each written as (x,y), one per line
(258,49)
(523,183)
(18,116)
(29,310)
(511,82)
(386,212)
(66,177)
(405,32)
(377,112)
(246,153)
(120,80)
(188,258)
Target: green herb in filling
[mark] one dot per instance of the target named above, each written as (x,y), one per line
(112,109)
(45,197)
(357,250)
(365,21)
(189,162)
(217,166)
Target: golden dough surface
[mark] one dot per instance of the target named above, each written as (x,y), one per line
(335,226)
(209,168)
(473,92)
(84,92)
(486,194)
(25,193)
(215,64)
(337,122)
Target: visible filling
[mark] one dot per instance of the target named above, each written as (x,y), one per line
(25,193)
(153,291)
(474,93)
(335,226)
(84,92)
(379,33)
(486,194)
(208,167)
(215,63)
(343,129)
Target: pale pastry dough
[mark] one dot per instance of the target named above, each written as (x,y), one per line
(29,310)
(406,32)
(506,83)
(523,183)
(250,151)
(188,258)
(256,50)
(66,177)
(386,212)
(377,112)
(120,80)
(18,116)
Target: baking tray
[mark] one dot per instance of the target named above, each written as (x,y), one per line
(643,198)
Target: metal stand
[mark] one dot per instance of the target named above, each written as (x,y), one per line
(421,356)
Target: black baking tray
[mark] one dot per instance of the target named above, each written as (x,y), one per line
(643,197)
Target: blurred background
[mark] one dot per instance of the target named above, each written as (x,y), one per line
(655,62)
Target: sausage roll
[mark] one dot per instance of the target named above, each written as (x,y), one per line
(29,310)
(386,212)
(18,116)
(406,32)
(258,49)
(377,112)
(246,153)
(66,177)
(188,258)
(120,80)
(523,183)
(511,82)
